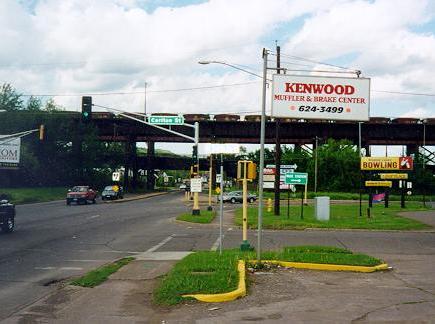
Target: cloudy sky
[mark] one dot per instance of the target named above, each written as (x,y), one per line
(110,48)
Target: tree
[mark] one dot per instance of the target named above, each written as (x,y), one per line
(338,166)
(34,104)
(10,100)
(51,106)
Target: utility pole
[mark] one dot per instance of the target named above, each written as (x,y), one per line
(145,102)
(277,147)
(315,163)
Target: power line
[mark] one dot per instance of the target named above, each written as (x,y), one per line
(138,92)
(315,62)
(406,93)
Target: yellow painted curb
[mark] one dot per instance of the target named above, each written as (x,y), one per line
(241,290)
(229,296)
(327,267)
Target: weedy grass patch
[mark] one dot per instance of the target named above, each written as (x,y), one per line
(208,272)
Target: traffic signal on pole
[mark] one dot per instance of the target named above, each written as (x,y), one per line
(195,155)
(86,109)
(41,132)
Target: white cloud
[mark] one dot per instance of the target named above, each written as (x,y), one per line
(416,113)
(80,46)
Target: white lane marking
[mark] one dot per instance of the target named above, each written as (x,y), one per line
(87,260)
(95,216)
(61,268)
(157,246)
(215,245)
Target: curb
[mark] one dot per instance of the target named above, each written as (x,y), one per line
(118,201)
(229,296)
(241,267)
(326,267)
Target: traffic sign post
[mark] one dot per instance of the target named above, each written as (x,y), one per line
(298,178)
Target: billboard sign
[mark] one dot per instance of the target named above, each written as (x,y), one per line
(10,153)
(320,97)
(387,163)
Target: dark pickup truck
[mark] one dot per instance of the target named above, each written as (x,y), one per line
(7,216)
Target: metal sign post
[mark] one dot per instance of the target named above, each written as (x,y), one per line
(174,120)
(297,178)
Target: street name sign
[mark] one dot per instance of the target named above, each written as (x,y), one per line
(393,176)
(296,178)
(379,184)
(166,120)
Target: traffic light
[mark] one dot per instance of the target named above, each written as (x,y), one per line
(195,155)
(86,108)
(41,132)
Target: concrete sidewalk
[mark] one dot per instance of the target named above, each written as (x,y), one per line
(406,294)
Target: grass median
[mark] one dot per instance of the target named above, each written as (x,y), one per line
(98,276)
(205,217)
(34,195)
(208,272)
(341,217)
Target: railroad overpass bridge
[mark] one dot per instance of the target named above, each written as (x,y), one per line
(410,132)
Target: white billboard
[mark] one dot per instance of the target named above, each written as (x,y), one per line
(10,152)
(218,148)
(320,97)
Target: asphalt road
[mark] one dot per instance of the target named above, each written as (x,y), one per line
(53,241)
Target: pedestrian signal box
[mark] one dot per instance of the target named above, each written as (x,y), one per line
(246,170)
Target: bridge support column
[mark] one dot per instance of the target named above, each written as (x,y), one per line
(78,152)
(133,161)
(151,180)
(411,149)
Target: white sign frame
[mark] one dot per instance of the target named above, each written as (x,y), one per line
(10,152)
(320,97)
(116,176)
(195,185)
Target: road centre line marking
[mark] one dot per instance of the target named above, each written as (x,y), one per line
(95,216)
(44,268)
(157,246)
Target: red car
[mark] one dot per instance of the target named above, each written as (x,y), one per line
(81,194)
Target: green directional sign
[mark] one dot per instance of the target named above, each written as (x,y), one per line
(296,178)
(166,120)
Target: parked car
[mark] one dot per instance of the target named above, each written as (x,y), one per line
(81,194)
(183,186)
(7,216)
(237,196)
(112,192)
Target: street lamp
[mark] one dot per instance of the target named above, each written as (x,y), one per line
(262,140)
(230,65)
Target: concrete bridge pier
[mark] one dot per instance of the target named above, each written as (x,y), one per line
(151,180)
